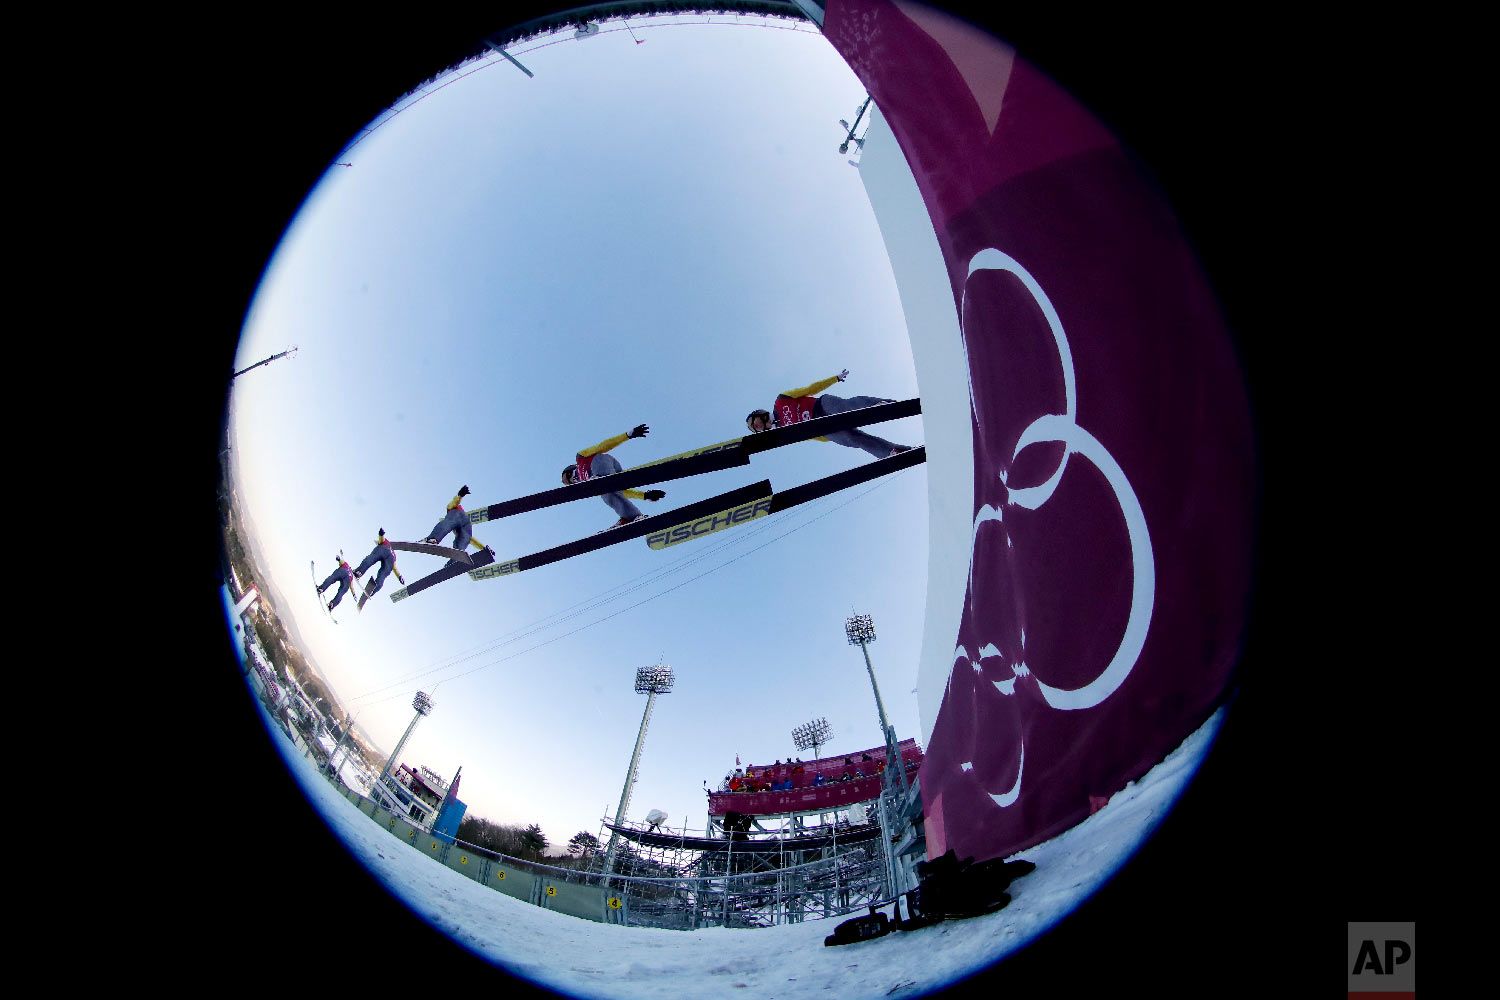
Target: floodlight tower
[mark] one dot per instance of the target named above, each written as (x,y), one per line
(650,681)
(861,632)
(423,704)
(812,734)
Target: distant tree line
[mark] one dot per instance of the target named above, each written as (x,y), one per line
(528,843)
(525,842)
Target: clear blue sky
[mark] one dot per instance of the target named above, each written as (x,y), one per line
(516,268)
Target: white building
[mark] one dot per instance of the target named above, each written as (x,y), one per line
(417,795)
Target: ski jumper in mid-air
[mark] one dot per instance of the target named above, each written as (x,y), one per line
(383,554)
(455,521)
(797,405)
(342,575)
(593,462)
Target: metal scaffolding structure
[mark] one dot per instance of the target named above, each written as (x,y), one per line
(744,871)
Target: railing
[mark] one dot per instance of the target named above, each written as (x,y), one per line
(774,893)
(804,797)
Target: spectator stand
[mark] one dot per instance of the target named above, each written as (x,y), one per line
(808,843)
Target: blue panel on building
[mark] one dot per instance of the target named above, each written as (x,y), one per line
(446,826)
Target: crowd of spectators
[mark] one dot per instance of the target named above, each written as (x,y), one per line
(793,774)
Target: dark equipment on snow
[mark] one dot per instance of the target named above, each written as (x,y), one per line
(953,889)
(859,929)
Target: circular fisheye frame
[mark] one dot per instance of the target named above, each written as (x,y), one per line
(1023,409)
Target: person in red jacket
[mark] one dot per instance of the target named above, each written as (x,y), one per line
(590,463)
(796,405)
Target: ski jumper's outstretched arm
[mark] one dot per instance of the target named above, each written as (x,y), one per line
(814,389)
(380,539)
(614,442)
(607,444)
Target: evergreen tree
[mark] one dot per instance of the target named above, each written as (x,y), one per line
(512,841)
(533,841)
(583,844)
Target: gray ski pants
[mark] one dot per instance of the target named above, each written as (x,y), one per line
(387,561)
(455,520)
(341,577)
(854,437)
(605,464)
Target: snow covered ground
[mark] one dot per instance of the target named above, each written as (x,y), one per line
(582,958)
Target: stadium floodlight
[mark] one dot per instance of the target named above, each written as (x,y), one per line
(812,734)
(860,629)
(653,680)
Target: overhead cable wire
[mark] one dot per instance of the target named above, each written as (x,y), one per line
(708,551)
(615,614)
(572,611)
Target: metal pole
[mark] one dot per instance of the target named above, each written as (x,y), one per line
(512,58)
(289,350)
(884,725)
(609,854)
(331,770)
(892,754)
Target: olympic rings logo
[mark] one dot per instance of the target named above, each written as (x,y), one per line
(1063,428)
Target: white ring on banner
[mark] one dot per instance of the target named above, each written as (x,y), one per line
(1063,428)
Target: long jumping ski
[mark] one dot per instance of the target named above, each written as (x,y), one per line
(763,506)
(625,532)
(432,550)
(448,572)
(709,458)
(776,437)
(366,594)
(710,523)
(694,463)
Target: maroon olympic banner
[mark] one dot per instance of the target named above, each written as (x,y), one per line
(1114,469)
